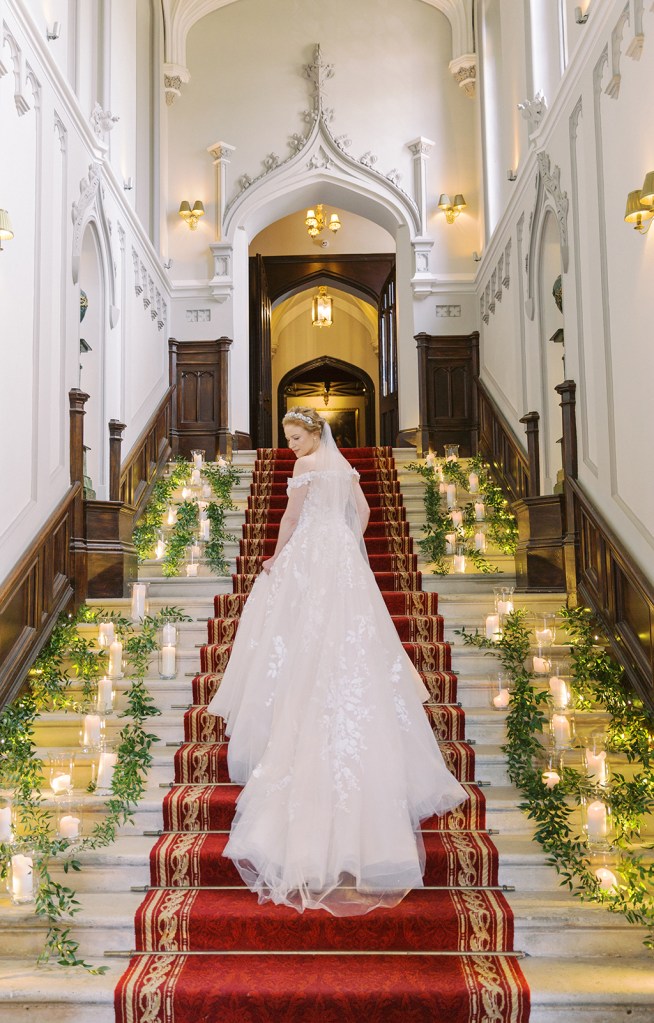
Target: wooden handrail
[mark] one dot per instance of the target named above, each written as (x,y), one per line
(147,457)
(500,446)
(39,588)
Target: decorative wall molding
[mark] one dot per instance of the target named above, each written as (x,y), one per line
(613,88)
(464,72)
(102,122)
(533,111)
(443,312)
(175,75)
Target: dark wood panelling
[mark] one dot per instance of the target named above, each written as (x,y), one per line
(610,582)
(448,367)
(199,369)
(111,556)
(148,456)
(367,272)
(539,559)
(500,448)
(32,597)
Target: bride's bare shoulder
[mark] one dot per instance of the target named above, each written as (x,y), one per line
(304,464)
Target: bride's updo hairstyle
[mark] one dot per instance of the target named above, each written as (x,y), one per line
(307,418)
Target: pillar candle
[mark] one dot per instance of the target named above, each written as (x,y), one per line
(169,634)
(541,665)
(429,460)
(115,658)
(442,487)
(168,660)
(504,607)
(192,570)
(5,824)
(544,637)
(22,883)
(195,478)
(205,527)
(492,627)
(480,542)
(550,779)
(450,540)
(559,691)
(139,591)
(596,818)
(186,493)
(459,563)
(502,699)
(60,783)
(160,550)
(221,462)
(457,517)
(106,634)
(479,511)
(596,767)
(171,518)
(206,491)
(560,729)
(69,827)
(105,695)
(473,482)
(106,766)
(91,730)
(197,459)
(451,495)
(608,882)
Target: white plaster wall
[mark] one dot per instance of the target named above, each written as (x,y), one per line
(43,123)
(593,135)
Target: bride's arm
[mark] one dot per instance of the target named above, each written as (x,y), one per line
(288,523)
(363,508)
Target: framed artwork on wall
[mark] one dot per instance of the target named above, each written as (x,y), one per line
(344,423)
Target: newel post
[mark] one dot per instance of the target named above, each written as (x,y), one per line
(567,392)
(223,437)
(531,421)
(422,437)
(115,445)
(77,400)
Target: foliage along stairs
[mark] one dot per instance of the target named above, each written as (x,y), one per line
(208,950)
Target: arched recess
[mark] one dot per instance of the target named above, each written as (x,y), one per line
(321,366)
(92,356)
(551,348)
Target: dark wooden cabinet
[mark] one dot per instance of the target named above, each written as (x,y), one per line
(448,367)
(200,410)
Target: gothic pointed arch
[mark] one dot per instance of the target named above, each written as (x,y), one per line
(321,364)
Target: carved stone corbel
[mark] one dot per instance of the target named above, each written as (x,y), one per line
(175,75)
(464,71)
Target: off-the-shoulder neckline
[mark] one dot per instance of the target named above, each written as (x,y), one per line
(315,472)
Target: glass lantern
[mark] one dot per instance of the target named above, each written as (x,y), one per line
(106,764)
(597,766)
(6,821)
(480,509)
(70,823)
(60,774)
(545,630)
(597,824)
(539,661)
(140,606)
(493,627)
(456,515)
(192,560)
(106,634)
(160,546)
(459,562)
(197,456)
(91,733)
(499,690)
(105,696)
(167,649)
(503,596)
(562,728)
(451,452)
(480,538)
(21,876)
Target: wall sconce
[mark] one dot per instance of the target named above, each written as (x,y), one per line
(511,174)
(316,221)
(128,184)
(191,216)
(52,33)
(476,257)
(321,309)
(640,205)
(580,17)
(449,208)
(6,230)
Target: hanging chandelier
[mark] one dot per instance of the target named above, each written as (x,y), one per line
(321,309)
(316,221)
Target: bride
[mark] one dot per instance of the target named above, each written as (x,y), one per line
(324,711)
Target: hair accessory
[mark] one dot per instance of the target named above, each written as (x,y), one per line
(300,415)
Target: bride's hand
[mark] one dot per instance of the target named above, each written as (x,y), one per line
(268,564)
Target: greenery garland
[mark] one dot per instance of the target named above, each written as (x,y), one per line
(499,522)
(221,479)
(22,771)
(598,683)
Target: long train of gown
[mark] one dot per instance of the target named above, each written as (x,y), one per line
(327,729)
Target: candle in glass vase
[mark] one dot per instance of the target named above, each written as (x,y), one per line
(5,824)
(596,820)
(69,826)
(160,550)
(559,691)
(197,458)
(450,541)
(22,880)
(206,491)
(502,699)
(550,779)
(205,530)
(457,517)
(504,607)
(91,730)
(480,542)
(492,627)
(171,517)
(544,637)
(106,634)
(105,696)
(429,460)
(60,783)
(442,487)
(473,483)
(561,730)
(542,665)
(596,767)
(192,569)
(115,659)
(479,511)
(222,464)
(106,766)
(608,882)
(459,563)
(186,493)
(451,494)
(168,661)
(195,478)
(139,591)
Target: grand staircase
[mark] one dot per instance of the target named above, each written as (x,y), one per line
(207,950)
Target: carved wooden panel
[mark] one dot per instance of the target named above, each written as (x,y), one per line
(199,369)
(448,367)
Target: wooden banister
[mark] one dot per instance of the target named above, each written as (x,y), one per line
(501,448)
(147,457)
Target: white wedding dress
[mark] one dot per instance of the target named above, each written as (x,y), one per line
(327,730)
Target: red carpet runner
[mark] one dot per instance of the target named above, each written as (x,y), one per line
(209,953)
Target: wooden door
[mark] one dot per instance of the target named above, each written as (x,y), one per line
(260,356)
(388,390)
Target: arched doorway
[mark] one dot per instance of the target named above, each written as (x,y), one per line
(342,392)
